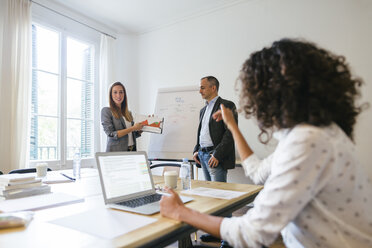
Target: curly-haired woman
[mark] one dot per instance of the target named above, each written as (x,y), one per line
(315,191)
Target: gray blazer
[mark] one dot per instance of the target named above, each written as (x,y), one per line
(111,125)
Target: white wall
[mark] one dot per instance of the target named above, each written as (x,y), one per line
(218,43)
(126,67)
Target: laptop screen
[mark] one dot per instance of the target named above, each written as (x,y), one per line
(124,174)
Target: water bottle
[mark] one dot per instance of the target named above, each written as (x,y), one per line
(185,174)
(76,165)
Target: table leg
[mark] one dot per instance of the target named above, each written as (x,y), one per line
(185,242)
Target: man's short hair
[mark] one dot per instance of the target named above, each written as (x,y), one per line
(212,81)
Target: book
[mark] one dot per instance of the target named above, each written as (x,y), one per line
(13,178)
(20,186)
(151,124)
(17,193)
(13,183)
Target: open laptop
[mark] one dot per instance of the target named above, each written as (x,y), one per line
(127,182)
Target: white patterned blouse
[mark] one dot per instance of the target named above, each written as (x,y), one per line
(315,193)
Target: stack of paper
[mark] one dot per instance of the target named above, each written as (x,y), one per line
(21,185)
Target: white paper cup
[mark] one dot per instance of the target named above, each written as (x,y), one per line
(170,179)
(41,169)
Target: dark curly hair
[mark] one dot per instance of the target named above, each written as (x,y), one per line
(295,82)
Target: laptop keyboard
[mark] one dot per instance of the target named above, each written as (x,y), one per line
(141,201)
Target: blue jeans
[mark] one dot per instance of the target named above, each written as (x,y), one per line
(217,174)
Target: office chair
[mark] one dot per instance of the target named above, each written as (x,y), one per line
(1,172)
(27,170)
(167,167)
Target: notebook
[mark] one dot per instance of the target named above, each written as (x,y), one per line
(127,183)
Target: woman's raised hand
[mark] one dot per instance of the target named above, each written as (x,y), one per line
(226,115)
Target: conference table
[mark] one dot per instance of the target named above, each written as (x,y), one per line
(42,233)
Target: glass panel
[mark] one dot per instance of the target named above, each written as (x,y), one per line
(79,60)
(74,98)
(79,137)
(45,49)
(79,99)
(44,93)
(44,138)
(87,137)
(73,137)
(33,138)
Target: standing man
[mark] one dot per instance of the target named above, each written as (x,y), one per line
(214,150)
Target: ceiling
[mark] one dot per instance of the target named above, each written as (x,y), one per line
(141,16)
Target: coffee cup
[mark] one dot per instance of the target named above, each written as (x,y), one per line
(41,169)
(170,179)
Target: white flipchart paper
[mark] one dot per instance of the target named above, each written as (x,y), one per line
(104,222)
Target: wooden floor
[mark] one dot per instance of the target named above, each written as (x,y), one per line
(277,244)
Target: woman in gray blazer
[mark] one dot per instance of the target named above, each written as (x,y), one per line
(117,121)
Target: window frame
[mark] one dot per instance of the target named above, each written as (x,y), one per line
(87,36)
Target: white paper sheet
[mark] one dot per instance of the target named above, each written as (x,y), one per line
(104,222)
(214,193)
(84,173)
(151,124)
(55,177)
(38,202)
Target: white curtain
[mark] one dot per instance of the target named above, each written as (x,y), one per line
(15,61)
(106,70)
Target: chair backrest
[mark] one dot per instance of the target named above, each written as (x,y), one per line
(167,167)
(176,169)
(27,170)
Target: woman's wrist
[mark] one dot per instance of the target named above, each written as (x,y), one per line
(183,213)
(232,126)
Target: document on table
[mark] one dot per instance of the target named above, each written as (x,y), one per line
(215,193)
(56,177)
(38,202)
(108,223)
(84,173)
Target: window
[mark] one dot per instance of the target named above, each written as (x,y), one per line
(62,97)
